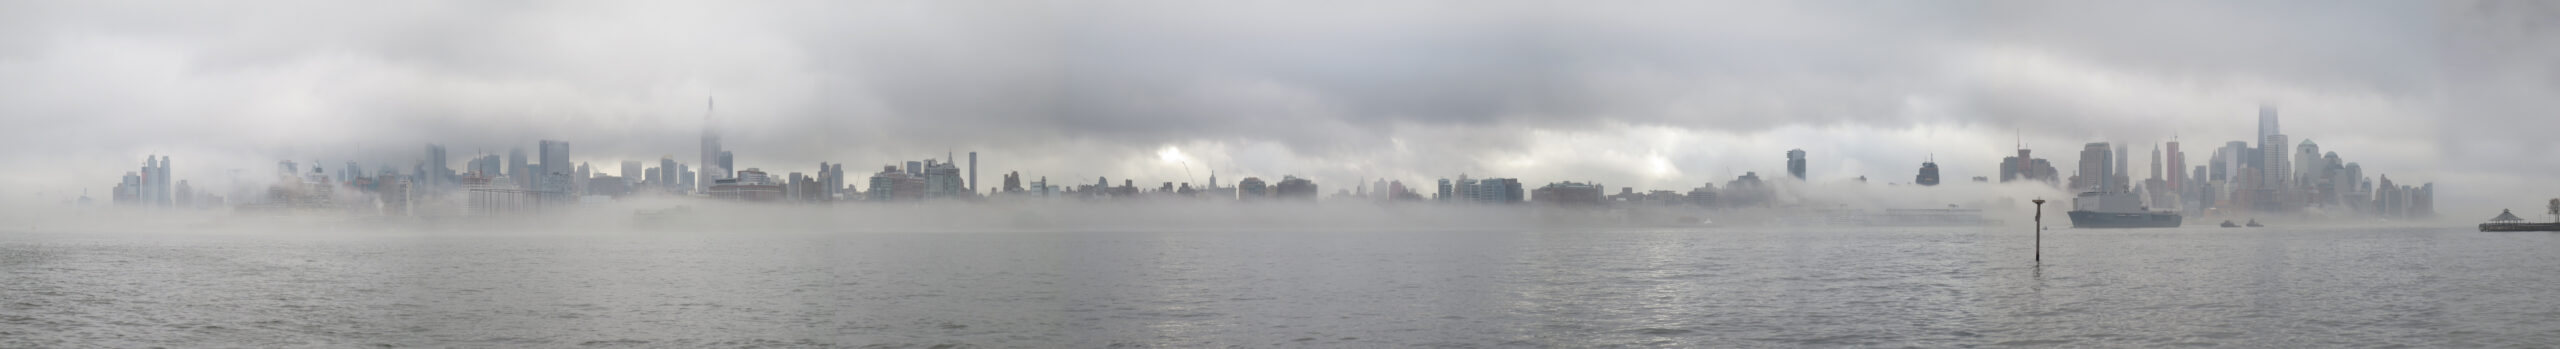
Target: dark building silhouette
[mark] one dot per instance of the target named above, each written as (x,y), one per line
(2027,168)
(1252,188)
(1795,163)
(1294,188)
(1568,193)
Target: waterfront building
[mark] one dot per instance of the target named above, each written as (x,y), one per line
(1569,193)
(893,184)
(1252,188)
(1746,190)
(750,185)
(1705,196)
(1294,188)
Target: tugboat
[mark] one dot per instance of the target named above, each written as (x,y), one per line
(2507,221)
(2118,210)
(2253,223)
(2227,224)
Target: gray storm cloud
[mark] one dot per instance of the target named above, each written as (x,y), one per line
(1658,95)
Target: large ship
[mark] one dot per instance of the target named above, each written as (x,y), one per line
(2118,210)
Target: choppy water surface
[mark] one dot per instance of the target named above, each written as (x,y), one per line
(1724,287)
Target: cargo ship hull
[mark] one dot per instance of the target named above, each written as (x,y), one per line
(2094,219)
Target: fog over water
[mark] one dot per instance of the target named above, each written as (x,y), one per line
(1929,287)
(2455,98)
(1653,96)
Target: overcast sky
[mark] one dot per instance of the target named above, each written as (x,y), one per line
(1655,95)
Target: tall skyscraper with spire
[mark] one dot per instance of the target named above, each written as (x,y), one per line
(2267,123)
(2156,163)
(712,167)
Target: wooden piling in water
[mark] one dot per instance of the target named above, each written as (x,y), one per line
(2039,230)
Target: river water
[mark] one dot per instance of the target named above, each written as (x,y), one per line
(2270,287)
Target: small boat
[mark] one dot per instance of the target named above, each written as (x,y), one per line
(2253,223)
(2227,224)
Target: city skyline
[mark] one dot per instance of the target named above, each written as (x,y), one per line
(2413,97)
(2252,180)
(2311,181)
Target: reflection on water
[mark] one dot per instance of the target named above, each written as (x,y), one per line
(1922,287)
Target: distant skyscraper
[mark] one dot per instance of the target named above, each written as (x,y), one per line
(728,164)
(1795,163)
(835,181)
(711,154)
(2233,159)
(2096,166)
(2307,164)
(148,182)
(2028,168)
(2177,167)
(631,172)
(667,173)
(2275,169)
(151,187)
(2122,171)
(437,172)
(2156,163)
(518,170)
(973,173)
(165,177)
(553,174)
(2014,167)
(2267,124)
(351,173)
(487,166)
